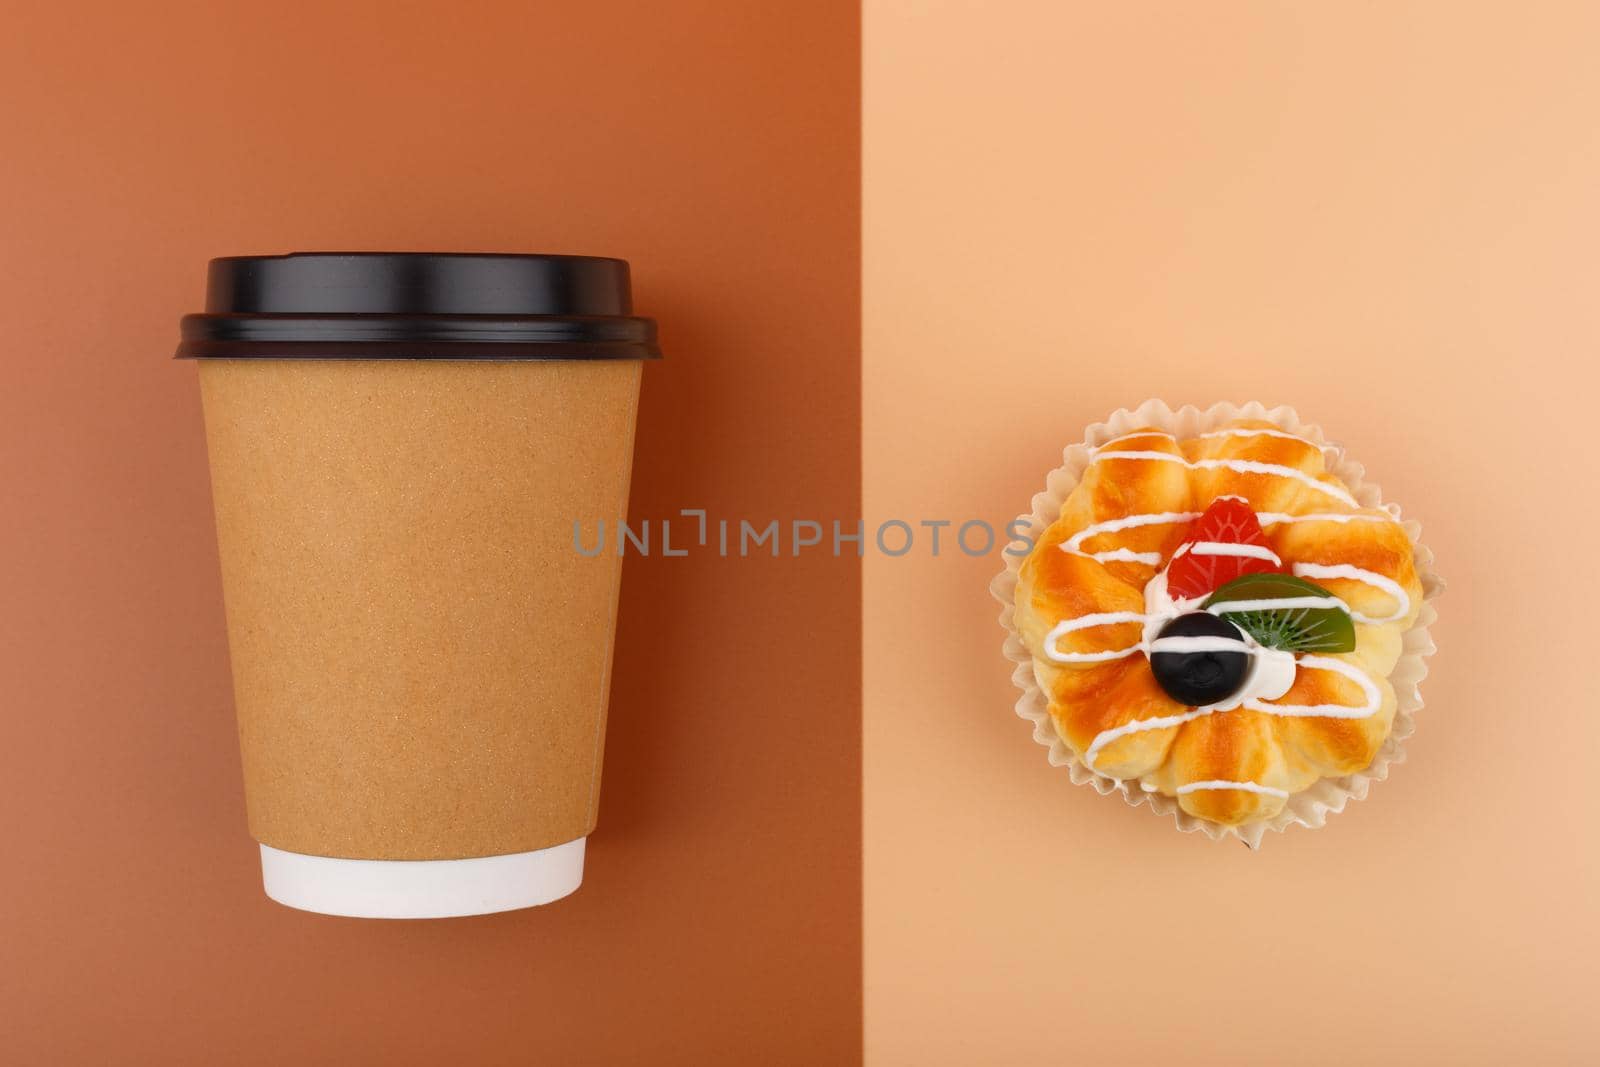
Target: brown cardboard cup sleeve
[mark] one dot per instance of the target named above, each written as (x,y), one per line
(400,448)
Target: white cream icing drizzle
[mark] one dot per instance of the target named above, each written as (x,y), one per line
(1236,607)
(1356,574)
(1242,466)
(1134,437)
(1105,737)
(1221,548)
(1251,432)
(1374,699)
(1278,518)
(1218,783)
(1194,644)
(1273,670)
(1074,544)
(1235,431)
(1089,622)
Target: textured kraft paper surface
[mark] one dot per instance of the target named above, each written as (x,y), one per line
(421,657)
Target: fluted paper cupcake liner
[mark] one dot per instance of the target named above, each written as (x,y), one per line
(1311,807)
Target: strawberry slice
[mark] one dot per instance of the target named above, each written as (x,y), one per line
(1223,544)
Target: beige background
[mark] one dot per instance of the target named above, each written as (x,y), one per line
(1386,216)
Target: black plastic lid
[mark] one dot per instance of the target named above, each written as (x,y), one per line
(418,305)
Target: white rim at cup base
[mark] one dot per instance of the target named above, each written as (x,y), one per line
(422,889)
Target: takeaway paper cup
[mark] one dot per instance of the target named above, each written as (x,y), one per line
(399,447)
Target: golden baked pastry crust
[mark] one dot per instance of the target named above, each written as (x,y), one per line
(1239,765)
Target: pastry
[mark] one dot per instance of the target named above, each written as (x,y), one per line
(1214,617)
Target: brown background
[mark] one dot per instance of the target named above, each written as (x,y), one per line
(1385,215)
(713,144)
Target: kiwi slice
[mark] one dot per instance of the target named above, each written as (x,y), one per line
(1300,628)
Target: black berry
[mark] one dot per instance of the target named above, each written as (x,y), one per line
(1204,675)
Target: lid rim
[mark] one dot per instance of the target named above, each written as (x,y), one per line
(418,305)
(414,352)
